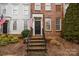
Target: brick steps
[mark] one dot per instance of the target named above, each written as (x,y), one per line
(36,46)
(36,41)
(34,53)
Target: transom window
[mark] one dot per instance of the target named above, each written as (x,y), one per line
(48,6)
(48,24)
(58,24)
(37,6)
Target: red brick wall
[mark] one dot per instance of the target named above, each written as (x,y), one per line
(53,14)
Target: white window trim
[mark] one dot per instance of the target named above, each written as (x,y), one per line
(50,25)
(36,6)
(60,26)
(46,7)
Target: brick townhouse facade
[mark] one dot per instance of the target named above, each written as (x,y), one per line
(47,17)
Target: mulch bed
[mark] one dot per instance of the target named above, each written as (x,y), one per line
(65,49)
(18,49)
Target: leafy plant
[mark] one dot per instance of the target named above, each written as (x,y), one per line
(25,33)
(7,39)
(71,23)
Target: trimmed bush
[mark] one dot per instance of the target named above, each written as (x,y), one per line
(25,33)
(13,39)
(71,23)
(7,39)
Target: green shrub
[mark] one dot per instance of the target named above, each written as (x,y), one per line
(25,33)
(13,40)
(70,25)
(4,41)
(7,39)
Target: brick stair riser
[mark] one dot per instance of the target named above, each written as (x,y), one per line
(36,46)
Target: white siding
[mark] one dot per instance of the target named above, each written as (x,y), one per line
(20,15)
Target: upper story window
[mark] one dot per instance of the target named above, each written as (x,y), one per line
(4,11)
(15,10)
(37,6)
(58,8)
(48,24)
(58,24)
(48,6)
(26,11)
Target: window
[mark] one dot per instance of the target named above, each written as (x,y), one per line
(15,10)
(25,11)
(14,25)
(25,24)
(58,8)
(4,11)
(48,6)
(58,24)
(37,6)
(48,24)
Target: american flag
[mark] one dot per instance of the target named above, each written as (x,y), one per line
(2,20)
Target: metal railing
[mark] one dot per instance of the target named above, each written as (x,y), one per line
(27,40)
(45,40)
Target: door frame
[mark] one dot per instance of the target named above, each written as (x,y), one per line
(5,26)
(41,20)
(8,25)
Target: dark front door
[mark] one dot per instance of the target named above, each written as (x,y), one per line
(5,27)
(37,27)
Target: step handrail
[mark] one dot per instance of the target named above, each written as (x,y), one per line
(28,38)
(44,39)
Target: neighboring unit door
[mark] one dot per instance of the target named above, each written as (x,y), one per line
(5,27)
(37,27)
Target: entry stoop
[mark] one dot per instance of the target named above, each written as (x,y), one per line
(36,47)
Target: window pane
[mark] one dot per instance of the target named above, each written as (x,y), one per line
(47,6)
(37,6)
(58,23)
(15,10)
(4,11)
(14,25)
(57,27)
(25,24)
(48,24)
